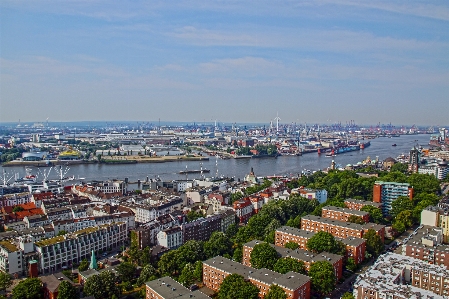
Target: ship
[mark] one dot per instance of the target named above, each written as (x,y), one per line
(194,171)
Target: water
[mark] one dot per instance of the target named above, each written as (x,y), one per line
(238,168)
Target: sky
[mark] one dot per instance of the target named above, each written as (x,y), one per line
(231,61)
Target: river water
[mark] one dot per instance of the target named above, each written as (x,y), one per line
(238,168)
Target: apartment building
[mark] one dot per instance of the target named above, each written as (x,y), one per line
(397,276)
(215,270)
(299,254)
(387,192)
(170,238)
(343,214)
(11,257)
(340,229)
(425,244)
(355,248)
(168,288)
(357,204)
(243,209)
(63,251)
(147,213)
(319,194)
(201,229)
(437,216)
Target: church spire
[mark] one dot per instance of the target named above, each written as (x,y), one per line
(93,261)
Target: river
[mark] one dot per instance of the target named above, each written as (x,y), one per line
(238,168)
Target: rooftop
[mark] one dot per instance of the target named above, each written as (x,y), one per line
(296,232)
(346,210)
(229,266)
(9,246)
(169,288)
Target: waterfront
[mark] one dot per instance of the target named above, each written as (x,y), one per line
(238,168)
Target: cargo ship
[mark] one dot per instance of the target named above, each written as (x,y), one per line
(194,171)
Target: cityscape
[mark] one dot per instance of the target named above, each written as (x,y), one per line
(228,150)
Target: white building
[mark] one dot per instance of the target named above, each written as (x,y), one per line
(11,257)
(320,195)
(170,238)
(64,251)
(439,169)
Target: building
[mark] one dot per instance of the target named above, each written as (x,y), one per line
(387,192)
(414,160)
(439,169)
(215,270)
(51,284)
(343,214)
(170,238)
(340,229)
(243,209)
(400,277)
(307,257)
(168,288)
(11,257)
(201,229)
(355,247)
(437,216)
(64,251)
(357,204)
(425,244)
(320,195)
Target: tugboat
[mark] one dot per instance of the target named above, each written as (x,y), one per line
(394,144)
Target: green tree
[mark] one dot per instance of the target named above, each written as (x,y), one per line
(291,245)
(146,274)
(356,219)
(167,264)
(145,256)
(84,265)
(232,230)
(126,271)
(30,288)
(218,244)
(62,233)
(193,215)
(287,264)
(400,167)
(198,272)
(375,214)
(238,254)
(17,209)
(187,277)
(403,221)
(67,291)
(322,277)
(374,244)
(350,264)
(294,222)
(103,285)
(349,295)
(275,292)
(424,183)
(234,286)
(323,241)
(5,280)
(263,256)
(402,203)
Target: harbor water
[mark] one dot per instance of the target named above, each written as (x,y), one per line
(238,168)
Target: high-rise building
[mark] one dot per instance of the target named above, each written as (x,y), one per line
(414,159)
(387,192)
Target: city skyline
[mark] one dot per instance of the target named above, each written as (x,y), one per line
(241,61)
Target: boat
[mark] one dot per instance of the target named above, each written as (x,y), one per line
(194,171)
(242,156)
(394,144)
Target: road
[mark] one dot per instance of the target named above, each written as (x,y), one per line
(347,284)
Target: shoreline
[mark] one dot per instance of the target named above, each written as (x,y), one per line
(122,160)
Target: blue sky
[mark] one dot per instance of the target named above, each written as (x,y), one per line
(234,61)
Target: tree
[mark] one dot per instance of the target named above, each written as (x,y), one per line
(167,265)
(146,274)
(238,254)
(402,203)
(322,277)
(375,214)
(102,285)
(187,276)
(291,245)
(234,286)
(198,272)
(84,265)
(218,244)
(349,295)
(287,264)
(275,292)
(401,167)
(232,230)
(30,288)
(62,233)
(126,271)
(403,221)
(350,264)
(356,219)
(323,241)
(192,215)
(67,291)
(263,256)
(17,209)
(374,244)
(5,280)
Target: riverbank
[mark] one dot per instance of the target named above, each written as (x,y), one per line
(107,160)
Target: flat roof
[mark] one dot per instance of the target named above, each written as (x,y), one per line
(228,266)
(346,210)
(169,288)
(9,246)
(296,232)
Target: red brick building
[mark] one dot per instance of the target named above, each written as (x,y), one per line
(356,204)
(299,254)
(343,214)
(168,288)
(215,270)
